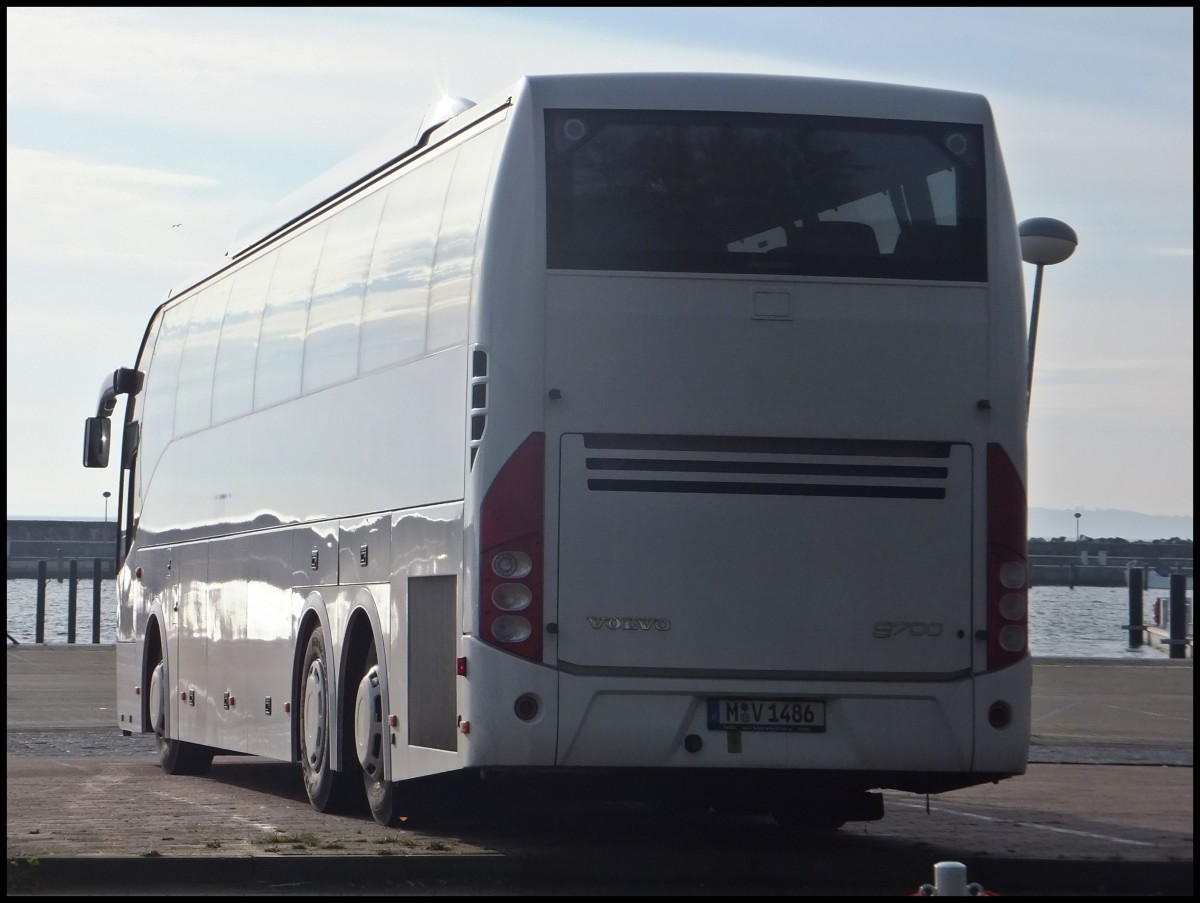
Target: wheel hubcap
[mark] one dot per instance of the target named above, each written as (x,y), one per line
(158,699)
(314,716)
(368,724)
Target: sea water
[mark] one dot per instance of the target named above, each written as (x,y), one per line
(1083,621)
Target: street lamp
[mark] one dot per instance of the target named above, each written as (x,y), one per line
(108,494)
(1044,242)
(1077,516)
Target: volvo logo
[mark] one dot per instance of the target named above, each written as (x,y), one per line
(600,623)
(885,630)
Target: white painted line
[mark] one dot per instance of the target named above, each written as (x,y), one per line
(220,812)
(1109,705)
(1057,711)
(1027,824)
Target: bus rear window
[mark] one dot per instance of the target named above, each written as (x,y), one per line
(711,192)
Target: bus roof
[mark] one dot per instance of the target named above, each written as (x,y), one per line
(631,90)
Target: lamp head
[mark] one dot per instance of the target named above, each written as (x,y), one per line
(1046,241)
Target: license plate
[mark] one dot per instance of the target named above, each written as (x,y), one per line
(766,715)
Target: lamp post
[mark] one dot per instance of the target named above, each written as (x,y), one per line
(1077,516)
(1044,242)
(107,494)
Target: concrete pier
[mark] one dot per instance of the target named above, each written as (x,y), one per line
(58,542)
(1104,808)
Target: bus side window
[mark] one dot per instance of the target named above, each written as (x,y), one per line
(450,290)
(162,382)
(335,315)
(193,401)
(233,381)
(281,342)
(394,311)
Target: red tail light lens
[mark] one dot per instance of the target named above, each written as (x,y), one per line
(510,567)
(1007,562)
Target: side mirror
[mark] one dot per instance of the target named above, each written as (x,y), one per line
(122,381)
(97,432)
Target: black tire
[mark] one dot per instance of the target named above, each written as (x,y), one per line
(812,817)
(680,808)
(328,790)
(371,742)
(175,756)
(414,808)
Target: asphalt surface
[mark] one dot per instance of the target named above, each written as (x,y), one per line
(1105,808)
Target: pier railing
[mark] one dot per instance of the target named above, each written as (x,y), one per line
(25,567)
(1043,573)
(1104,570)
(1171,627)
(97,578)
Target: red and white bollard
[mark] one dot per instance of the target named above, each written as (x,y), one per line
(950,880)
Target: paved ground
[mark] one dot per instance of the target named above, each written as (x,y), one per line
(1105,807)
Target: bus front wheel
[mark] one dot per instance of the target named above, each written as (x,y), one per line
(328,790)
(175,756)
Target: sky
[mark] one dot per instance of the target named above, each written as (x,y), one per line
(141,140)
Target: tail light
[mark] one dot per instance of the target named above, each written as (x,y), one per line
(510,567)
(1007,562)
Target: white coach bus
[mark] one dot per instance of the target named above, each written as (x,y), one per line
(660,436)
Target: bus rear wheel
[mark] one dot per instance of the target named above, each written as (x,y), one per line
(805,819)
(816,812)
(370,743)
(175,756)
(328,790)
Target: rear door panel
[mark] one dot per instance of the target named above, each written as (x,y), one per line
(707,561)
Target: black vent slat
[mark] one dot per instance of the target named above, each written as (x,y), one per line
(736,465)
(810,489)
(668,465)
(767,445)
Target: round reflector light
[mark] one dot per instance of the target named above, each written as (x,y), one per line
(512,629)
(1012,606)
(1012,638)
(1012,574)
(999,714)
(512,596)
(527,707)
(512,565)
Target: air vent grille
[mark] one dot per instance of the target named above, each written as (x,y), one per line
(733,465)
